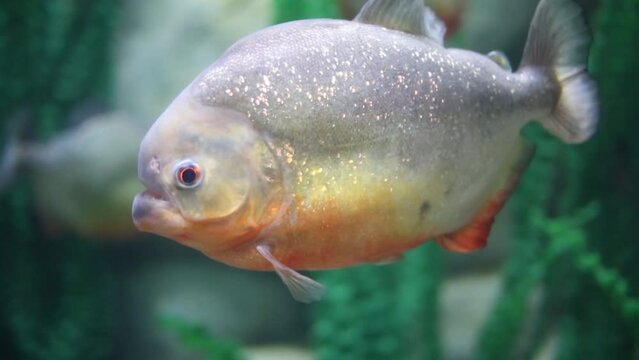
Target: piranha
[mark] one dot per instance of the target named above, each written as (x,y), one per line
(322,144)
(81,182)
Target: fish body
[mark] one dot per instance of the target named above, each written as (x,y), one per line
(326,143)
(82,182)
(377,126)
(84,178)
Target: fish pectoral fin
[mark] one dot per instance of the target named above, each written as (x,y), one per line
(410,16)
(474,235)
(302,288)
(500,59)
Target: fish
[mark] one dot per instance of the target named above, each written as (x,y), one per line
(451,12)
(322,144)
(168,29)
(83,178)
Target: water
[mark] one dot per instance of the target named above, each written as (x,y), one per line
(557,280)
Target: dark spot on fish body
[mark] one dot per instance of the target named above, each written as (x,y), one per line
(424,209)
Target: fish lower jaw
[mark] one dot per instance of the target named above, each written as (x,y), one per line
(154,214)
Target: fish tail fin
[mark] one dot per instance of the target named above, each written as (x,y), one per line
(559,40)
(12,156)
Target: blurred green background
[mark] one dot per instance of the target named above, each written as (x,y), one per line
(558,279)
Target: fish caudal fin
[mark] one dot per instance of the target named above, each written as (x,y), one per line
(302,288)
(13,156)
(559,40)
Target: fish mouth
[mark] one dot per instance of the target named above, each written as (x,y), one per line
(153,212)
(144,202)
(153,195)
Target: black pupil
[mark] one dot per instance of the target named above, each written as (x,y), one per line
(189,175)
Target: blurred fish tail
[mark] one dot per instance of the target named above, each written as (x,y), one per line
(559,40)
(12,157)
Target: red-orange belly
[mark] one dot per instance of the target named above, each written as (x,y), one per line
(331,236)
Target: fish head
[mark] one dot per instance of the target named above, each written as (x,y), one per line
(212,180)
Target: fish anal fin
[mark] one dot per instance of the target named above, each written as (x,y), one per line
(302,288)
(475,235)
(410,16)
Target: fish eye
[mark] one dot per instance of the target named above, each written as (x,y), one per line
(188,174)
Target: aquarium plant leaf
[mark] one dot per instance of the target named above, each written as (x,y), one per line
(197,338)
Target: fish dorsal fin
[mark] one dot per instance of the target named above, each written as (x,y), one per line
(410,16)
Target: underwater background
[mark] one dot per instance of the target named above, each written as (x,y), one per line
(558,280)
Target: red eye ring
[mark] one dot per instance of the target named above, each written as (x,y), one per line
(188,174)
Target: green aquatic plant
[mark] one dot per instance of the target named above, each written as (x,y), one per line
(197,338)
(577,256)
(56,292)
(381,312)
(610,172)
(418,303)
(289,10)
(349,322)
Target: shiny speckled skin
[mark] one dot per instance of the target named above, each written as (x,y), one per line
(385,139)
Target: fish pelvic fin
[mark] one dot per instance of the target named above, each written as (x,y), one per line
(410,16)
(302,288)
(559,40)
(475,235)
